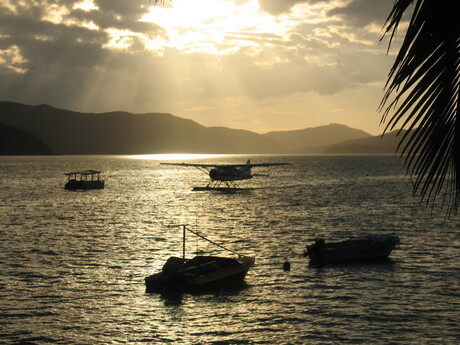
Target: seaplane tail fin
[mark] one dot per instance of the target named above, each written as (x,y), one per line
(245,170)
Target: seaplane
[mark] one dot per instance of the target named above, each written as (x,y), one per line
(223,177)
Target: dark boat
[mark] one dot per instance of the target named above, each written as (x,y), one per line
(200,273)
(367,248)
(87,179)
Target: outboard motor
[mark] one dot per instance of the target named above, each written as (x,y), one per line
(170,270)
(316,247)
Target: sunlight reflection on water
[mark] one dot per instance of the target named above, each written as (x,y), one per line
(177,156)
(72,264)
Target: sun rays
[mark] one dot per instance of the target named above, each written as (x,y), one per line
(212,26)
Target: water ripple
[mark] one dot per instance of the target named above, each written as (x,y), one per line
(72,264)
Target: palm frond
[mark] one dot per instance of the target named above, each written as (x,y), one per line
(422,93)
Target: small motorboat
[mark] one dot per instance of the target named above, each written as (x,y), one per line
(200,273)
(87,179)
(367,248)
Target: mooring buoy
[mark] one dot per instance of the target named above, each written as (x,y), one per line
(286,266)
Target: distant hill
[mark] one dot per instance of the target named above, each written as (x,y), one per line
(16,142)
(69,132)
(373,145)
(309,139)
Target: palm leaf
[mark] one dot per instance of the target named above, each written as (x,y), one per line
(422,95)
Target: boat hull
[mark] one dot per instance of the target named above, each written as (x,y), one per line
(85,185)
(231,275)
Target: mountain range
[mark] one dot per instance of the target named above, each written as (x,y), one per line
(68,132)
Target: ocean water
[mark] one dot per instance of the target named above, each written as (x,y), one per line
(72,264)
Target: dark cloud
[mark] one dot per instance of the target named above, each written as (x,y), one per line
(121,81)
(355,12)
(364,12)
(276,7)
(131,9)
(105,20)
(57,63)
(43,44)
(120,14)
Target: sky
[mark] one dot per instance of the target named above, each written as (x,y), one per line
(260,65)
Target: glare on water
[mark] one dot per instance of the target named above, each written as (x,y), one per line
(177,156)
(72,264)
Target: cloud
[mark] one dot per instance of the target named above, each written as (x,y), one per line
(106,20)
(132,9)
(357,12)
(43,44)
(58,60)
(102,55)
(363,12)
(276,7)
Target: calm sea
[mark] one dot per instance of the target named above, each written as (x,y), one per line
(72,264)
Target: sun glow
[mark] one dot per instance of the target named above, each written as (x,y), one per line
(120,39)
(176,156)
(212,26)
(86,5)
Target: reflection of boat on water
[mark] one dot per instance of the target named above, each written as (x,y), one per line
(367,248)
(222,189)
(200,273)
(87,179)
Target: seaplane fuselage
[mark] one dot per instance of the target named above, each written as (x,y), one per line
(230,173)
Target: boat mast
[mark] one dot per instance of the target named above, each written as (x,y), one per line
(183,242)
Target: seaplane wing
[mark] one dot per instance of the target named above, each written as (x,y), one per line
(226,173)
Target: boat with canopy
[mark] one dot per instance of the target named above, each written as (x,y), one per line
(87,179)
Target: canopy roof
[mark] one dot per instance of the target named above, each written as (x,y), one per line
(84,172)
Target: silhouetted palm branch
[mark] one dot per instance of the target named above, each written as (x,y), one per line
(426,71)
